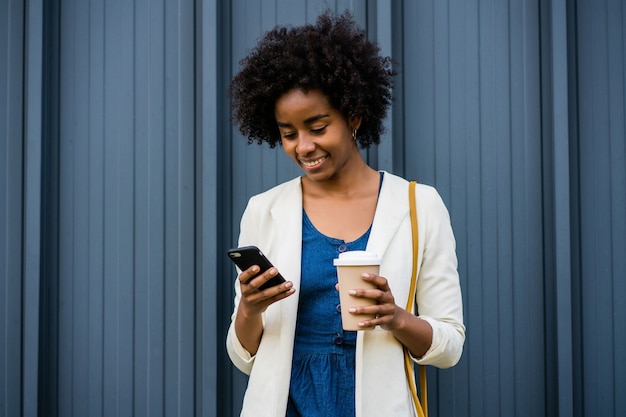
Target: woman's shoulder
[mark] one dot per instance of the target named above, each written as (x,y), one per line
(400,185)
(280,191)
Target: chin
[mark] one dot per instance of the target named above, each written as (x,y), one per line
(320,176)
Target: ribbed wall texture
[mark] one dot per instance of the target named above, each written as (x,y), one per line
(471,125)
(600,183)
(126,213)
(11,194)
(122,182)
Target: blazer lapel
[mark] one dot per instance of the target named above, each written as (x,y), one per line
(391,210)
(286,213)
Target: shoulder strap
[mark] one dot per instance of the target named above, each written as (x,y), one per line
(415,234)
(420,407)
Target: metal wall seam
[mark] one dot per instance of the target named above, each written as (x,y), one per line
(207,136)
(562,224)
(33,94)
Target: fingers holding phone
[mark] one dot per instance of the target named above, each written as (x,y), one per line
(262,281)
(259,279)
(254,299)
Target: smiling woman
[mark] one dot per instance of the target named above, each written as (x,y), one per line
(321,91)
(315,135)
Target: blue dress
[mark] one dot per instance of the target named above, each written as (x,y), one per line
(323,367)
(322,372)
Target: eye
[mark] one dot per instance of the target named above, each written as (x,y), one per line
(319,130)
(289,135)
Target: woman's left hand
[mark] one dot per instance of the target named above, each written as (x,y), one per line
(413,332)
(388,314)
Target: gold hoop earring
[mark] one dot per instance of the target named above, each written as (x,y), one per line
(354,135)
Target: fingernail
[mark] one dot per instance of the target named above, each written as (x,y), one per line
(352,292)
(352,310)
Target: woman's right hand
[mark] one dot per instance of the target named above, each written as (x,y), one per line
(253,302)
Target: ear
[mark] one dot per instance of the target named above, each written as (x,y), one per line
(355,122)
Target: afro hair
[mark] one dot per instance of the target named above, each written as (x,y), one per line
(332,56)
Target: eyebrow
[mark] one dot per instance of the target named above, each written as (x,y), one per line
(308,121)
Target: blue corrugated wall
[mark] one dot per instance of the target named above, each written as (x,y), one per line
(122,182)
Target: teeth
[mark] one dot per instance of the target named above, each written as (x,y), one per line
(313,163)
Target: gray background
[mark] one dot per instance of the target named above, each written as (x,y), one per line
(122,182)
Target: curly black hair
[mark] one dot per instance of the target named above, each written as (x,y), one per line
(333,56)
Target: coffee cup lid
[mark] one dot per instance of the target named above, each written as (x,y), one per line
(357,258)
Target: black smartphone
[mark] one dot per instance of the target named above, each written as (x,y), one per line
(247,256)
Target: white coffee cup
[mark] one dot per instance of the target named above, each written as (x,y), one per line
(350,266)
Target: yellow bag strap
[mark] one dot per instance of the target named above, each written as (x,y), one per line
(420,407)
(414,231)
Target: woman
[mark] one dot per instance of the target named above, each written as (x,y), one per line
(321,91)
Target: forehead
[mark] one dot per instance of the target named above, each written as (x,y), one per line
(300,105)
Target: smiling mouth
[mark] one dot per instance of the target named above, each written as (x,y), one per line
(310,164)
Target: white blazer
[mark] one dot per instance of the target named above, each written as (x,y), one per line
(273,222)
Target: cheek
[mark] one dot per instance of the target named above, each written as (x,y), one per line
(288,148)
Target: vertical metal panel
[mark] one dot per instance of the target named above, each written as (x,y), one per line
(11,196)
(74,358)
(179,208)
(602,201)
(150,290)
(559,323)
(127,209)
(472,128)
(214,292)
(150,195)
(31,228)
(48,396)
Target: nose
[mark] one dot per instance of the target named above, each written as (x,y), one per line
(305,144)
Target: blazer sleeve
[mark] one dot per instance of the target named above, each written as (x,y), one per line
(438,291)
(240,357)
